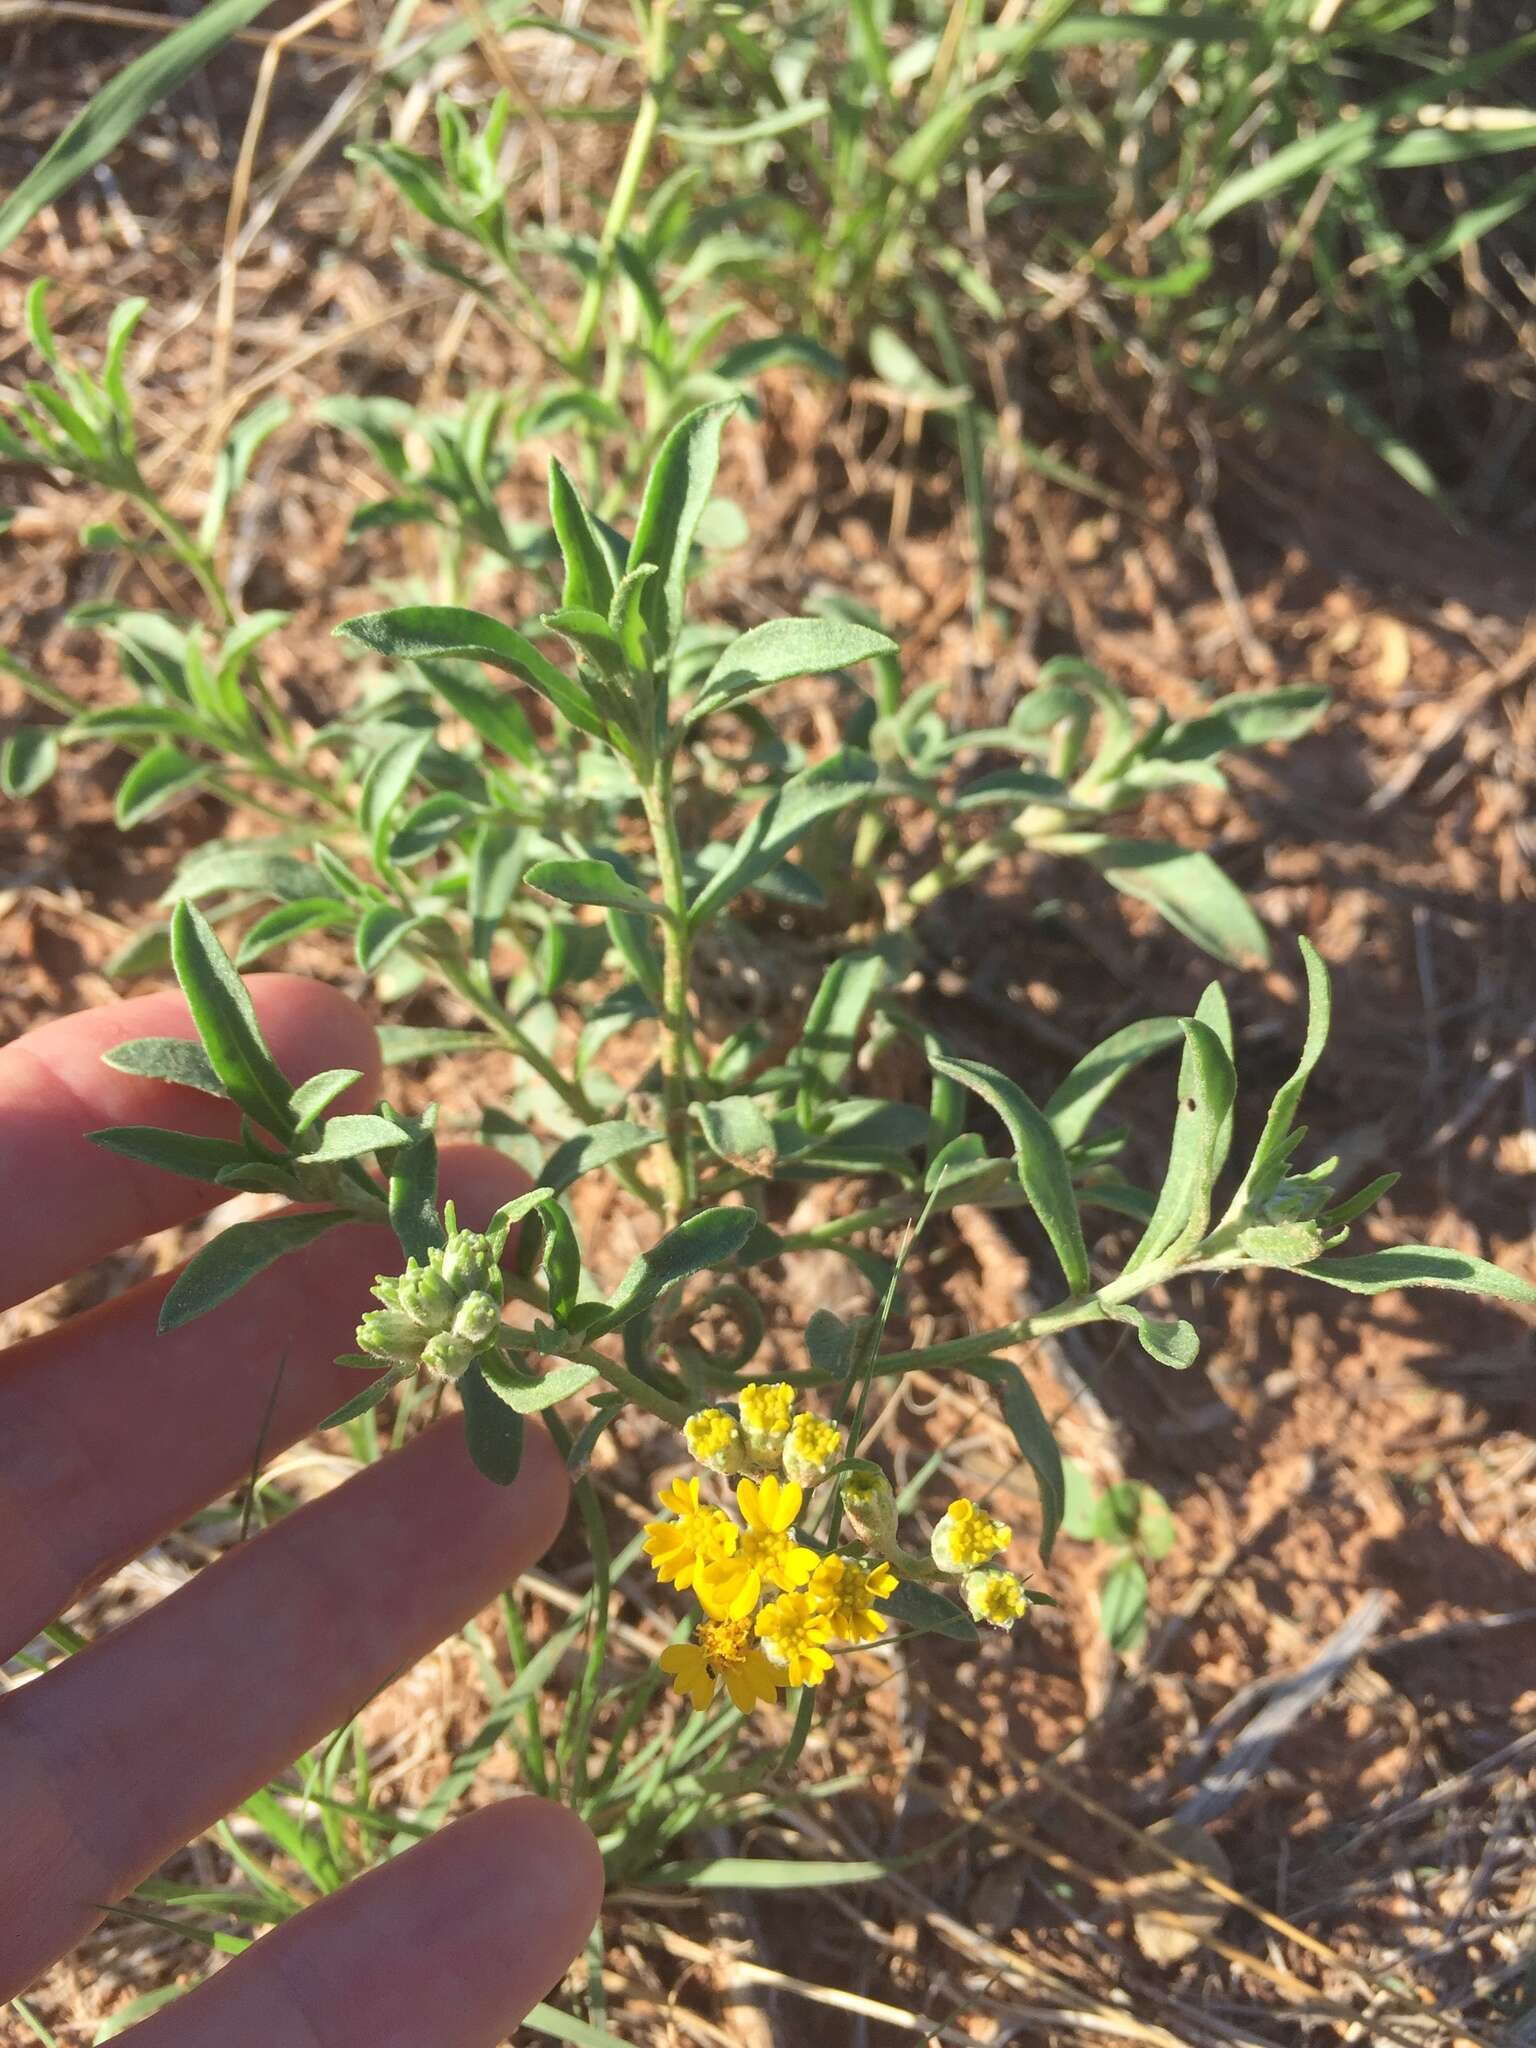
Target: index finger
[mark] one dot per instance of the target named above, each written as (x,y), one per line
(70,1202)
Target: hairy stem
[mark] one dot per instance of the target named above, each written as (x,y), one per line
(677,1021)
(627,188)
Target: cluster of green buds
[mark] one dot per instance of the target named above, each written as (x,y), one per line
(767,1436)
(962,1548)
(441,1313)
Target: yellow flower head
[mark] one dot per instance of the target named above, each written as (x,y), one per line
(812,1448)
(795,1631)
(714,1438)
(699,1536)
(967,1536)
(721,1652)
(845,1592)
(766,1408)
(996,1597)
(765,1552)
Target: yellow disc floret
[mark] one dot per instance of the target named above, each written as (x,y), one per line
(722,1652)
(714,1438)
(766,1552)
(995,1597)
(795,1633)
(699,1536)
(845,1592)
(811,1449)
(766,1409)
(967,1537)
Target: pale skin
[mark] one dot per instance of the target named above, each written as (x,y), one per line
(109,1437)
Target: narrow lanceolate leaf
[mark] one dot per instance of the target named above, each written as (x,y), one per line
(237,1255)
(380,931)
(1123,1605)
(361,1403)
(924,1612)
(354,1137)
(1098,1073)
(842,779)
(599,1146)
(181,1061)
(1036,1441)
(492,1430)
(495,714)
(1269,1157)
(416,632)
(782,648)
(289,921)
(1201,1133)
(590,569)
(591,881)
(1249,718)
(676,492)
(711,1238)
(1042,1164)
(837,1012)
(120,106)
(1170,1343)
(1186,886)
(225,1020)
(413,1192)
(736,1130)
(1420,1265)
(312,1098)
(172,1151)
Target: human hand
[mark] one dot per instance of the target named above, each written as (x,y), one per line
(110,1435)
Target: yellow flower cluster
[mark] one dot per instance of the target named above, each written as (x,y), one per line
(772,1605)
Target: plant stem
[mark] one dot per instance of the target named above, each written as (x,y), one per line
(188,553)
(677,1022)
(626,189)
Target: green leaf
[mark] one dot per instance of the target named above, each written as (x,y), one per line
(389,776)
(312,1098)
(769,1874)
(1420,1265)
(1098,1073)
(417,631)
(562,2026)
(1174,1343)
(1123,1605)
(1043,1170)
(923,1612)
(120,107)
(28,759)
(492,1430)
(782,648)
(288,921)
(199,1159)
(234,460)
(153,781)
(531,1397)
(779,121)
(1201,1133)
(676,493)
(237,1255)
(600,1146)
(591,881)
(1250,718)
(427,826)
(181,1061)
(736,1130)
(1036,1441)
(399,1044)
(836,1017)
(830,1344)
(751,358)
(1185,885)
(369,1398)
(590,570)
(1270,1154)
(711,1238)
(496,865)
(225,1020)
(265,865)
(842,779)
(354,1137)
(380,930)
(413,1191)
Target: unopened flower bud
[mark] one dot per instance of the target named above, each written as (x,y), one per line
(995,1597)
(426,1296)
(967,1536)
(766,1409)
(714,1439)
(388,1334)
(477,1320)
(446,1356)
(467,1264)
(811,1449)
(869,1506)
